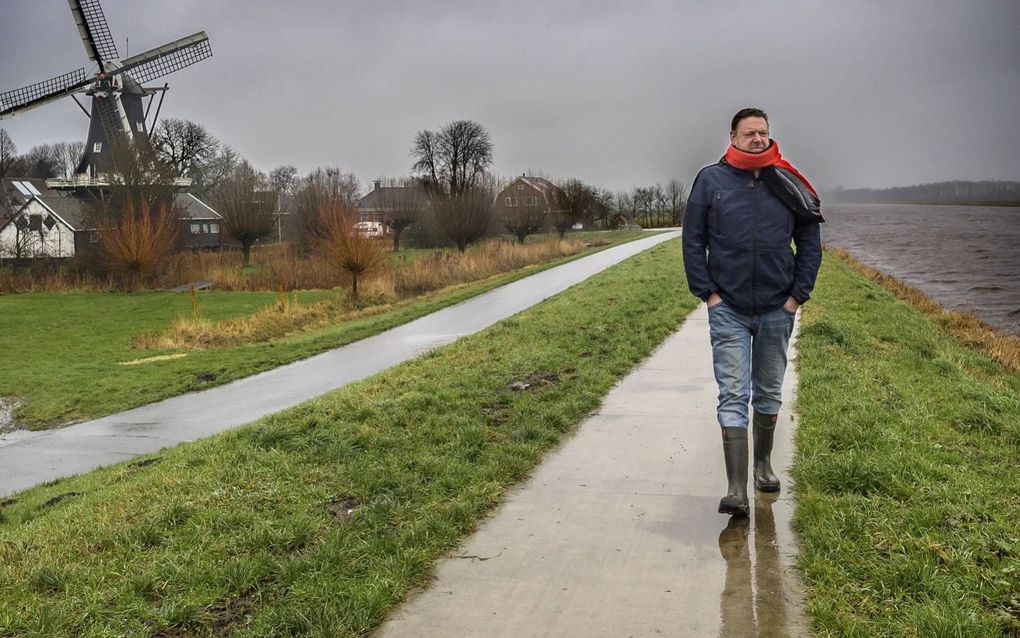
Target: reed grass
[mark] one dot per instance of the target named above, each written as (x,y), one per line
(965,327)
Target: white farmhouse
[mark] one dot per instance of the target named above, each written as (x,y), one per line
(36,221)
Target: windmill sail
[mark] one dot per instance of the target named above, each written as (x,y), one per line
(12,102)
(95,33)
(116,90)
(168,58)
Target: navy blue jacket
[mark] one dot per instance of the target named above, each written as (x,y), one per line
(736,239)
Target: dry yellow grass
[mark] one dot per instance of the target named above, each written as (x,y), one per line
(964,327)
(440,271)
(284,317)
(445,268)
(277,267)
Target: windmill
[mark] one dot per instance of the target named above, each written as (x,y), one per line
(115,88)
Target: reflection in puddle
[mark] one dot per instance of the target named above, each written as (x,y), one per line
(752,601)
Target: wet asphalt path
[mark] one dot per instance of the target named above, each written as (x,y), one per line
(617,533)
(32,458)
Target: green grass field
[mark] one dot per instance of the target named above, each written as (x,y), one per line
(70,347)
(318,520)
(907,471)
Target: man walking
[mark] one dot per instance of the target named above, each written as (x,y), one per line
(742,215)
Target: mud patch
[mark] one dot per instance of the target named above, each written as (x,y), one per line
(146,462)
(60,497)
(342,507)
(206,376)
(231,615)
(222,618)
(496,412)
(533,381)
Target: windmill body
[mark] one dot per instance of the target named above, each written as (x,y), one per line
(47,218)
(118,113)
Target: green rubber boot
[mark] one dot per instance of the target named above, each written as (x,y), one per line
(765,480)
(735,452)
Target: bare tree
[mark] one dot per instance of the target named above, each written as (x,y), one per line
(140,178)
(602,208)
(323,188)
(454,159)
(137,240)
(466,216)
(577,202)
(676,200)
(521,221)
(248,206)
(8,154)
(347,250)
(207,176)
(68,154)
(40,161)
(282,179)
(658,202)
(641,204)
(184,145)
(403,202)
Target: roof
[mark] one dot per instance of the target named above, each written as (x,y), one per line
(376,200)
(193,208)
(540,183)
(72,205)
(14,190)
(69,208)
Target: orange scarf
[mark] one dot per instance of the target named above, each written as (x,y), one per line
(769,157)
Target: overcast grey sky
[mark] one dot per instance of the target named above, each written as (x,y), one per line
(874,93)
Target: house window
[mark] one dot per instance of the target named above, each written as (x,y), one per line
(520,187)
(140,127)
(214,228)
(97,147)
(93,237)
(35,222)
(530,200)
(196,229)
(511,201)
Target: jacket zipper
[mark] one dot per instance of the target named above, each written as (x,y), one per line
(754,245)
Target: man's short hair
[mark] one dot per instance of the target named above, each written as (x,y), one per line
(744,113)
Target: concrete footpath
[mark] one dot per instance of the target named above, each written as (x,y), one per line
(31,458)
(617,534)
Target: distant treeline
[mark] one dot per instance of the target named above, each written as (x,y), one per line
(950,192)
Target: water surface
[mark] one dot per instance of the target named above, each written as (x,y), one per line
(965,257)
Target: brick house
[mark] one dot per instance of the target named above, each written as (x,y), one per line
(526,194)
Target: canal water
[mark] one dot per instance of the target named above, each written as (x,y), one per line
(965,257)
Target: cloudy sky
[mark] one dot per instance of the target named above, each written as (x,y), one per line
(874,93)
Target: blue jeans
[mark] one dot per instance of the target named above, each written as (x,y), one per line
(749,357)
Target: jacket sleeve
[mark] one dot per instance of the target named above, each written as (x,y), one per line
(808,239)
(695,242)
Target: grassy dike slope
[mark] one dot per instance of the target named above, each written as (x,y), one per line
(907,471)
(318,520)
